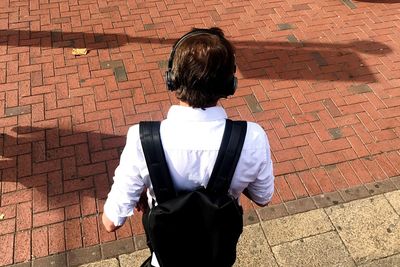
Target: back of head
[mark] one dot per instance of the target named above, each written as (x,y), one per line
(202,68)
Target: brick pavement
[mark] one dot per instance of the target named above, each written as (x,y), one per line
(321,77)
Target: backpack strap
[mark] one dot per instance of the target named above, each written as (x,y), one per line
(155,160)
(224,168)
(228,157)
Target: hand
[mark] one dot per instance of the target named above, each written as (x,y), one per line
(142,204)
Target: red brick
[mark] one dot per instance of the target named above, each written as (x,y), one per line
(116,142)
(125,230)
(331,107)
(102,185)
(73,139)
(91,169)
(39,199)
(100,93)
(136,223)
(349,174)
(9,181)
(323,180)
(37,90)
(22,246)
(374,168)
(73,238)
(73,211)
(321,131)
(386,165)
(48,217)
(88,202)
(78,184)
(16,197)
(15,150)
(296,185)
(40,241)
(281,168)
(310,183)
(336,177)
(90,233)
(24,165)
(55,183)
(8,211)
(283,189)
(394,158)
(104,236)
(56,238)
(6,249)
(95,141)
(384,135)
(24,91)
(309,157)
(367,121)
(361,171)
(89,104)
(335,145)
(362,133)
(63,200)
(299,165)
(118,117)
(46,166)
(7,226)
(24,216)
(106,127)
(287,154)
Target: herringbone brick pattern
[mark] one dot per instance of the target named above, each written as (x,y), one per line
(321,77)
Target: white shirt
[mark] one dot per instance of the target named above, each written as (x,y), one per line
(191,139)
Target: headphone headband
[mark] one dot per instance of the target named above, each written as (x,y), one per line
(183,38)
(231,84)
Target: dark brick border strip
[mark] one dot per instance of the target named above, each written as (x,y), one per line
(128,245)
(329,199)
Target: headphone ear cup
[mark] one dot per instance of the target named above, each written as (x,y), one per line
(169,82)
(232,86)
(235,84)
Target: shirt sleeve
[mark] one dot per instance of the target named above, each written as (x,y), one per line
(261,189)
(128,183)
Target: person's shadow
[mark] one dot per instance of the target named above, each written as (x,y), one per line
(280,60)
(65,168)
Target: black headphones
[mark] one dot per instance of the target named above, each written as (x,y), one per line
(232,81)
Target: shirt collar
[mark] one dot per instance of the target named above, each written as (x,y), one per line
(196,114)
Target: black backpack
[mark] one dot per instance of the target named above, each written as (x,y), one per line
(199,228)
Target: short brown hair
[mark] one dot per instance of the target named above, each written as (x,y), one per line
(203,68)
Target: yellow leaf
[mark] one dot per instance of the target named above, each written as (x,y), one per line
(2,216)
(79,51)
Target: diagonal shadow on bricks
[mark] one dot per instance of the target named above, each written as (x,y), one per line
(291,60)
(64,175)
(63,160)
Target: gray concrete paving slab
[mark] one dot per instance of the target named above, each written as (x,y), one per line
(320,250)
(369,228)
(134,259)
(297,226)
(104,263)
(394,200)
(391,261)
(253,249)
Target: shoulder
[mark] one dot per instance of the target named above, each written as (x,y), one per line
(133,136)
(255,136)
(133,132)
